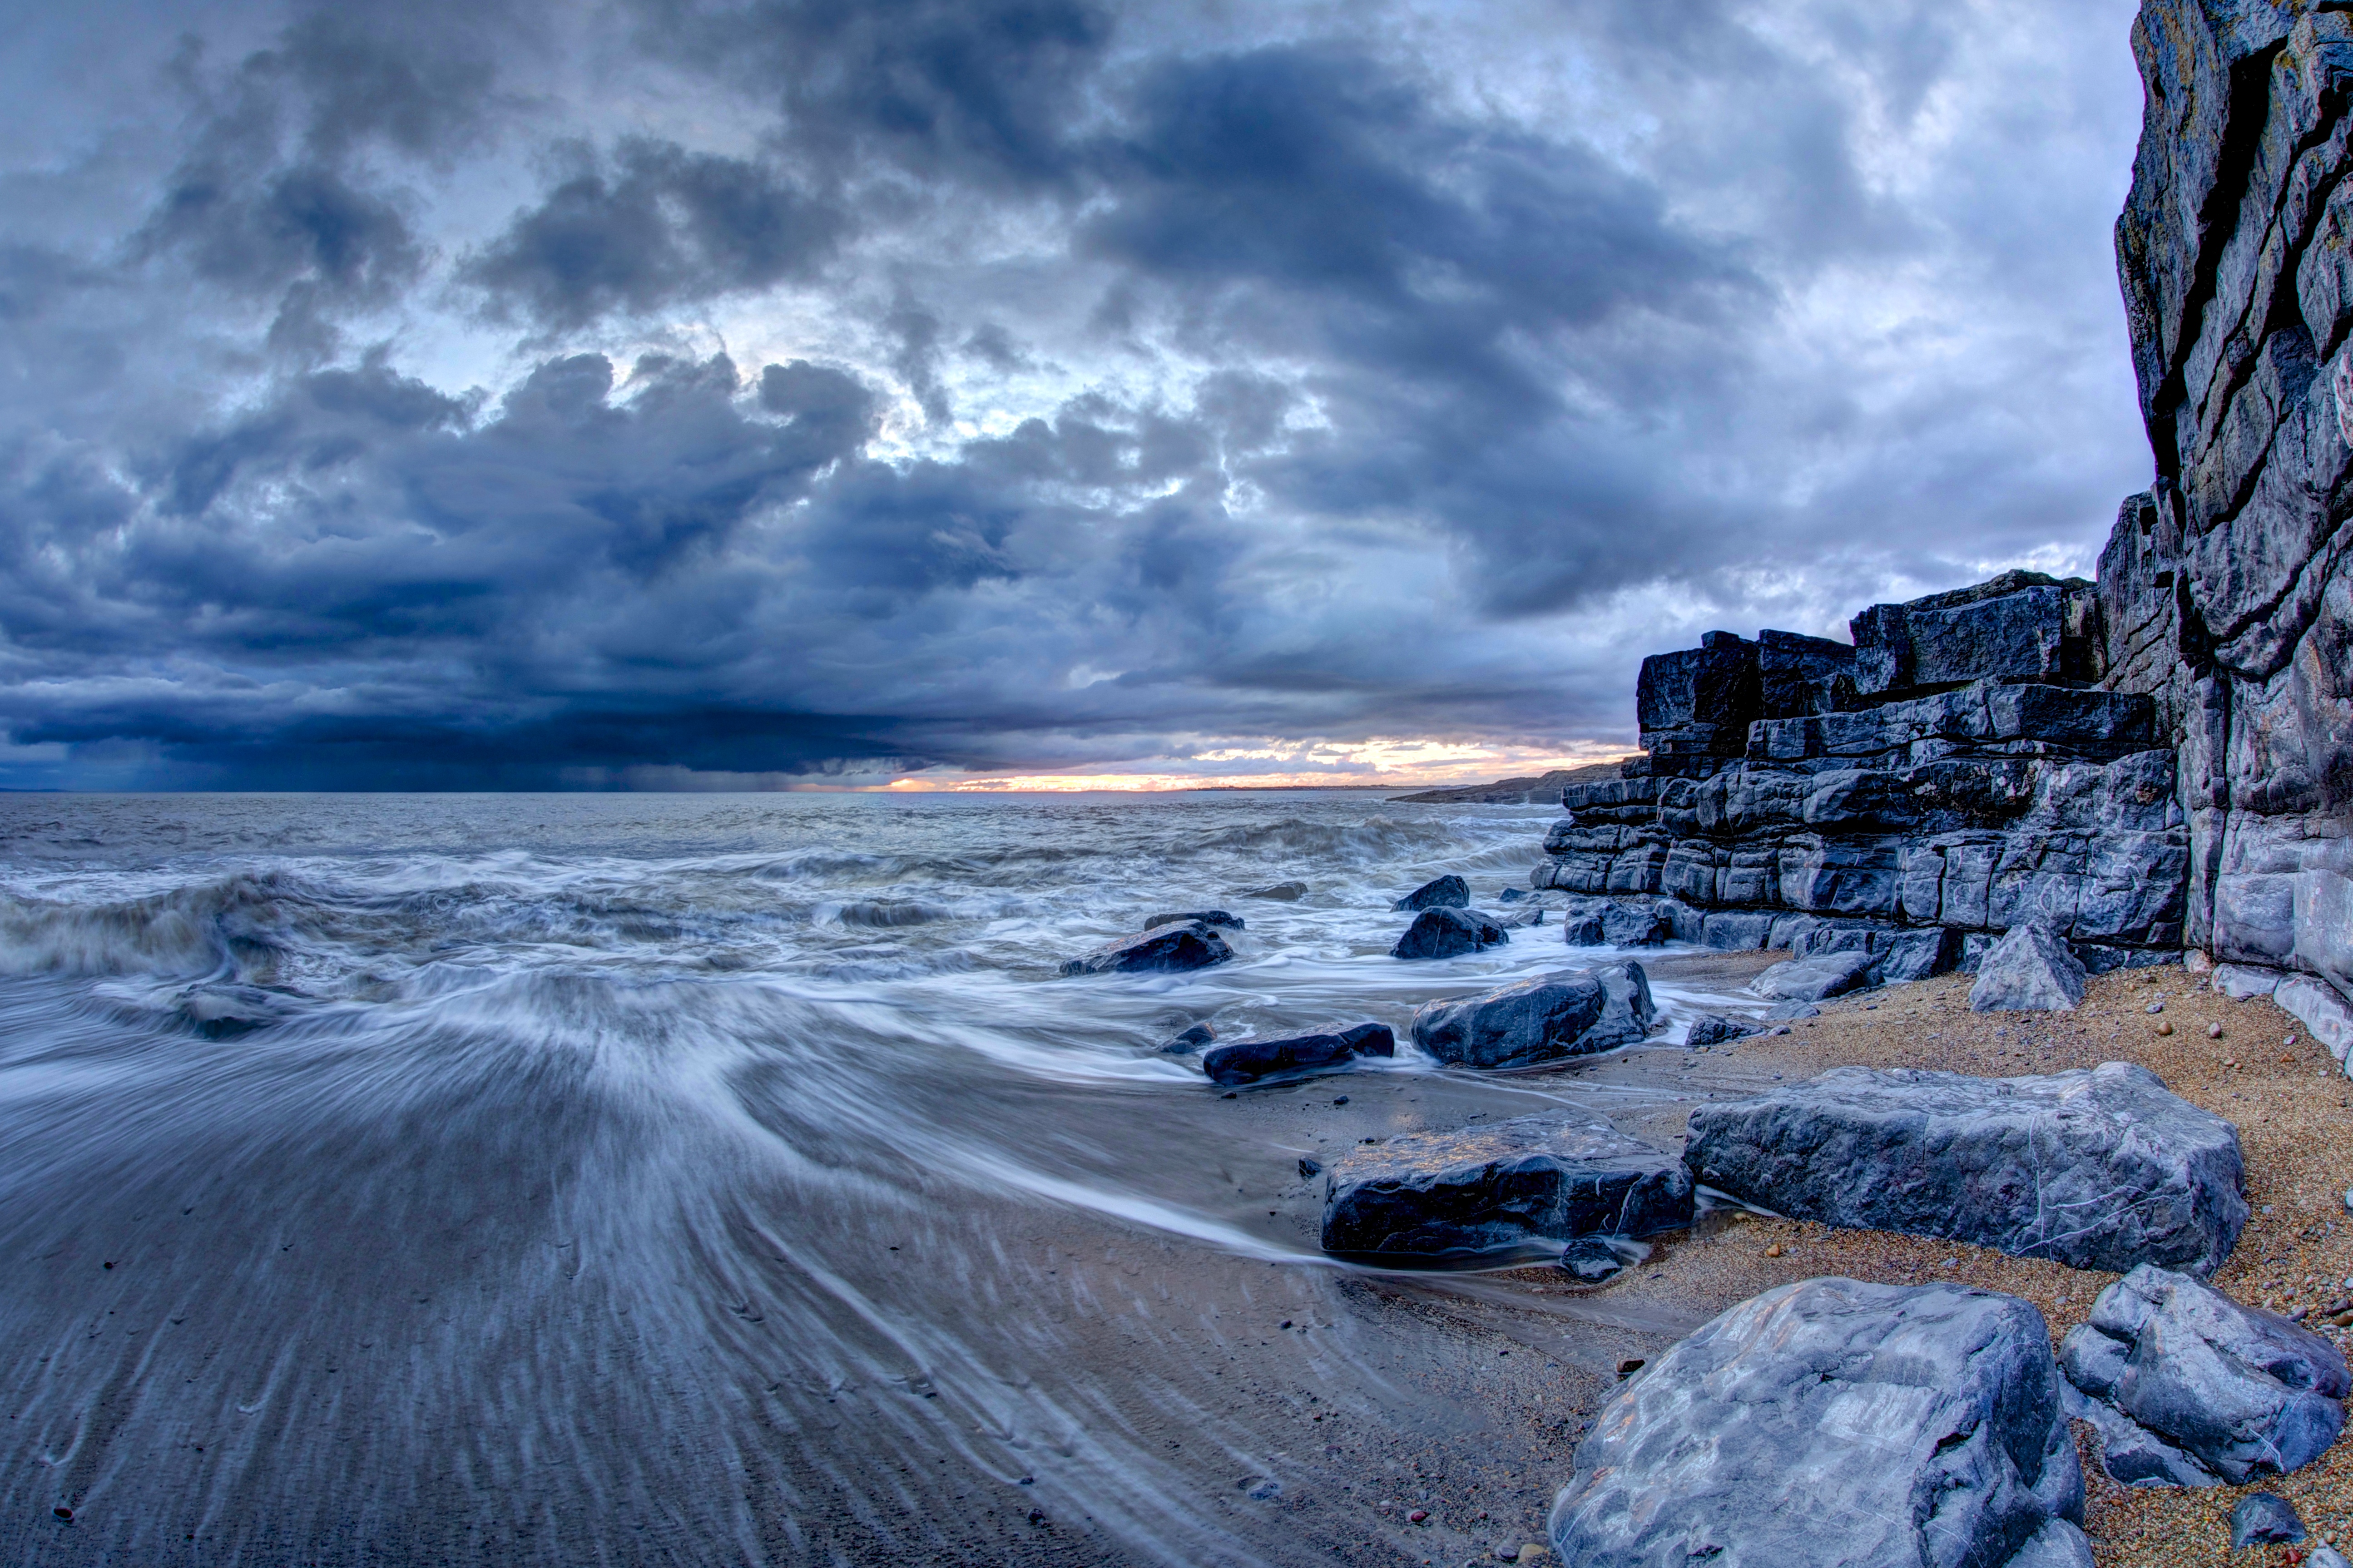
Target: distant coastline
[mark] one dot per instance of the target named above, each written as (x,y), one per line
(1538,791)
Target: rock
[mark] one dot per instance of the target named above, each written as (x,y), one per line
(1582,931)
(1816,979)
(1192,1039)
(1250,1061)
(2132,1454)
(1834,1421)
(1634,925)
(2326,1556)
(2098,1168)
(1447,892)
(2060,1543)
(1282,892)
(1500,1189)
(1781,1011)
(1525,915)
(1513,895)
(1191,945)
(2241,981)
(1591,1259)
(2028,971)
(1207,917)
(1714,1029)
(1308,1166)
(1568,1012)
(2321,1009)
(1447,933)
(2243,1391)
(2261,1517)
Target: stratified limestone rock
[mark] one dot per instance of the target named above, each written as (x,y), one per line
(1569,1013)
(1834,1421)
(1250,1061)
(1530,1180)
(2245,1392)
(1187,945)
(1447,892)
(2028,971)
(1447,933)
(2098,1168)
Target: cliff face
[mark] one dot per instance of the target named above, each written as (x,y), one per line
(2223,590)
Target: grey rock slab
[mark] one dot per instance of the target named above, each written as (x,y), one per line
(1250,1061)
(1524,1182)
(1815,979)
(1568,1012)
(1447,892)
(2097,1168)
(2030,970)
(1833,1422)
(1447,933)
(1207,917)
(2241,981)
(2244,1392)
(1189,945)
(2262,1518)
(1714,1029)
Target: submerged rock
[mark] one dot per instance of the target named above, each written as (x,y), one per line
(1247,1061)
(1714,1029)
(1525,915)
(1499,1188)
(1207,917)
(1836,1422)
(2030,970)
(1568,1012)
(1815,979)
(1192,1039)
(2098,1168)
(1447,933)
(1447,892)
(1282,892)
(2245,1392)
(1190,945)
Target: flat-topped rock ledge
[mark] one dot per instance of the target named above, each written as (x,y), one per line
(1568,1012)
(1187,944)
(2097,1168)
(1500,1189)
(1247,1061)
(1447,933)
(2191,1387)
(1834,1421)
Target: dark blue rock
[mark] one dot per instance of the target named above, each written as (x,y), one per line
(1572,1012)
(1447,892)
(1447,933)
(1189,945)
(2263,1517)
(1192,1039)
(1714,1029)
(1206,917)
(1252,1061)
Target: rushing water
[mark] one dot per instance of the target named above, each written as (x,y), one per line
(703,1179)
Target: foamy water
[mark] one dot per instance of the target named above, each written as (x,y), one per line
(686,1179)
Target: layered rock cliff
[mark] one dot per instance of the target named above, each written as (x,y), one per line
(2159,760)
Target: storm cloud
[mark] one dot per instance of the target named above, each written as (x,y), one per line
(828,391)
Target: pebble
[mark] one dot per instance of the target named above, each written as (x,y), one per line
(2156,1007)
(1531,1553)
(63,1512)
(1773,1250)
(2164,1028)
(1308,1167)
(2262,1516)
(1630,1367)
(2214,1031)
(1418,1516)
(1343,1100)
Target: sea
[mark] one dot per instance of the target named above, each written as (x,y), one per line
(735,1179)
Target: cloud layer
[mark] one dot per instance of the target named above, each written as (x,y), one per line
(822,392)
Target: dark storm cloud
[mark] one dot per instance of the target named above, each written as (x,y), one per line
(1127,383)
(652,227)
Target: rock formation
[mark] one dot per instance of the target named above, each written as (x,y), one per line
(1568,1012)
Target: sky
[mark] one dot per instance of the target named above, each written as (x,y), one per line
(916,394)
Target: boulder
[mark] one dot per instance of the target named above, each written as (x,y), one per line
(1515,919)
(2243,1391)
(1207,917)
(1815,979)
(1250,1061)
(1568,1012)
(1192,1039)
(1714,1029)
(2132,1454)
(1503,1188)
(1627,924)
(1447,892)
(2263,1519)
(2098,1168)
(1834,1421)
(2028,971)
(1582,929)
(1189,945)
(1513,895)
(1447,933)
(1282,892)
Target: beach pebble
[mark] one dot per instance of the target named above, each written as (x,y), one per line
(1418,1516)
(2164,1028)
(2264,1517)
(1310,1167)
(2214,1031)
